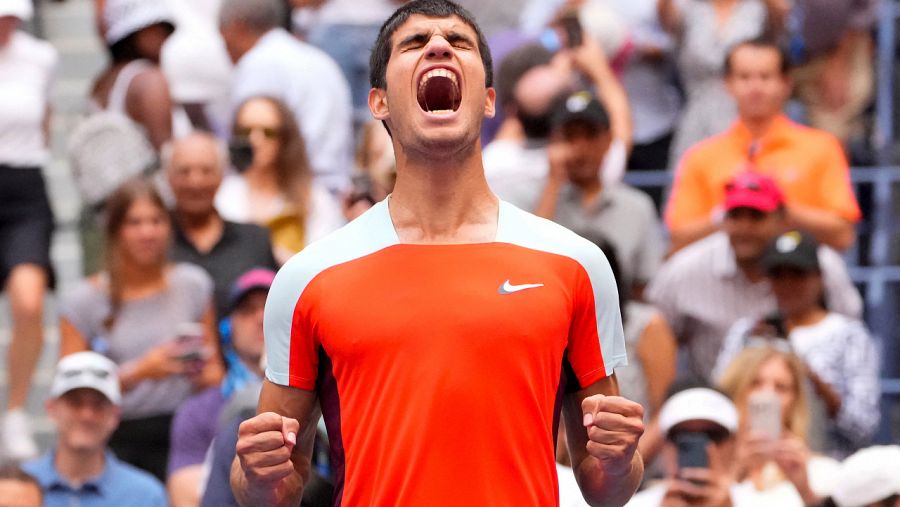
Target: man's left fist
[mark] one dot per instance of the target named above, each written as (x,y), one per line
(614,426)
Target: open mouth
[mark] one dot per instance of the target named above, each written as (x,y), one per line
(439,92)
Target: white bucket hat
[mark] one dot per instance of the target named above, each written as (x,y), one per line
(698,404)
(125,17)
(868,476)
(21,9)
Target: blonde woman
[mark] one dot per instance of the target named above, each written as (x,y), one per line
(767,384)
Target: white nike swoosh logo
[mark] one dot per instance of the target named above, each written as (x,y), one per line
(508,288)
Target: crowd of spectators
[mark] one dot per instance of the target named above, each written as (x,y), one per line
(224,137)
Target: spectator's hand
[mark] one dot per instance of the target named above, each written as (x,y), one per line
(699,487)
(264,447)
(589,59)
(614,427)
(792,455)
(753,451)
(558,157)
(160,362)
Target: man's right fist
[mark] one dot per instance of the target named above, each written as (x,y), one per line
(264,448)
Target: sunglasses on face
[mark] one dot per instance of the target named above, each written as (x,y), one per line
(268,132)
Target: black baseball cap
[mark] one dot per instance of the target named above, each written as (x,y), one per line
(580,107)
(792,249)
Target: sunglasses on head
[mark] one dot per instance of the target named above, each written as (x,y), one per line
(743,185)
(268,132)
(101,374)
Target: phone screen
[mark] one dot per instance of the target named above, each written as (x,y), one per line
(692,450)
(764,409)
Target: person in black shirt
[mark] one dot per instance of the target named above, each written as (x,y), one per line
(194,166)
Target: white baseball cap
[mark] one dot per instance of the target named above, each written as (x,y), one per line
(86,370)
(125,17)
(698,404)
(21,9)
(868,476)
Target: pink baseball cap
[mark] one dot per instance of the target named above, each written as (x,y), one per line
(255,279)
(753,190)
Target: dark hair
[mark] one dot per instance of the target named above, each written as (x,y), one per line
(291,165)
(761,42)
(13,472)
(116,211)
(126,50)
(381,51)
(514,65)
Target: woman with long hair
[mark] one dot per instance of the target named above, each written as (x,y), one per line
(766,382)
(153,318)
(276,189)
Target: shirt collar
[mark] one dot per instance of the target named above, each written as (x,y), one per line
(50,478)
(573,195)
(778,132)
(723,263)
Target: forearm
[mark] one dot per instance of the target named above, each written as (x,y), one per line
(546,207)
(603,489)
(828,228)
(668,14)
(286,493)
(613,96)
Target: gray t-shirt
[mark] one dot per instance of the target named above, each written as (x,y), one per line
(141,325)
(626,218)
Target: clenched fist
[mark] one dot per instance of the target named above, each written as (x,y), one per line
(614,426)
(264,448)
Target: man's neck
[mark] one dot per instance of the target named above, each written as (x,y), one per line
(752,270)
(443,200)
(758,127)
(590,191)
(808,318)
(79,466)
(203,230)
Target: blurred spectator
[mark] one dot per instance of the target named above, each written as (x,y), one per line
(196,420)
(705,31)
(511,68)
(517,168)
(869,478)
(152,318)
(648,78)
(576,197)
(277,189)
(376,171)
(705,288)
(269,61)
(838,350)
(80,469)
(832,41)
(26,219)
(134,85)
(18,489)
(197,66)
(195,166)
(346,30)
(699,424)
(808,165)
(773,460)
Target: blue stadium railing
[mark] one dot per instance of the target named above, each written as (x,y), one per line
(889,12)
(873,266)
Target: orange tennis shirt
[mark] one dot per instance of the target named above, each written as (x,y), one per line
(440,368)
(809,166)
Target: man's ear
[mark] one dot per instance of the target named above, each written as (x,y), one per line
(378,104)
(490,103)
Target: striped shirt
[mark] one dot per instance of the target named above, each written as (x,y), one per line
(842,353)
(702,293)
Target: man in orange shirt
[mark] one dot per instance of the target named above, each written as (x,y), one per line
(443,332)
(809,165)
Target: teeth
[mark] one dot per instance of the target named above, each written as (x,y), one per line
(437,73)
